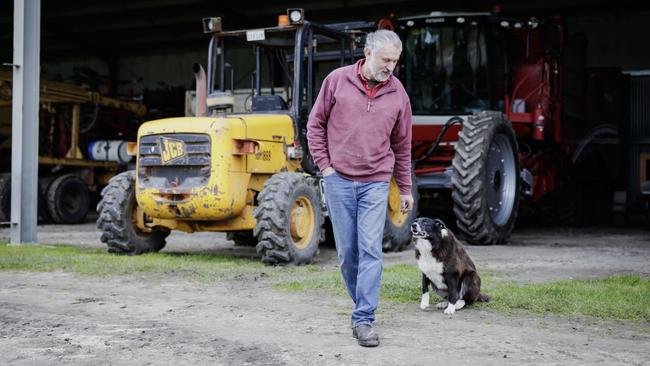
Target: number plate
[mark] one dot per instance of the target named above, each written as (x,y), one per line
(255,35)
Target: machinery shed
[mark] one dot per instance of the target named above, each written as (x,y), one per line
(106,67)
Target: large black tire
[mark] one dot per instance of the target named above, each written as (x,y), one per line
(5,200)
(485,179)
(397,229)
(43,213)
(289,219)
(117,222)
(5,197)
(68,199)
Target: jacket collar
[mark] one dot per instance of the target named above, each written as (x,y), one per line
(363,79)
(353,77)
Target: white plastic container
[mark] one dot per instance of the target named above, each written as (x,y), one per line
(518,106)
(109,150)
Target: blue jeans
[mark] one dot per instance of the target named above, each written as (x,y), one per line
(358,213)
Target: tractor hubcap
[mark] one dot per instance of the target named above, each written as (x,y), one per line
(396,216)
(501,179)
(302,222)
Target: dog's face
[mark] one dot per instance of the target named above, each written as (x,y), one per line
(433,230)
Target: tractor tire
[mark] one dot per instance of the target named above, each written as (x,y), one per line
(5,197)
(242,238)
(43,213)
(397,229)
(289,219)
(5,200)
(117,222)
(485,179)
(68,199)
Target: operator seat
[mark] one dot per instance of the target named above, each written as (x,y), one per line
(265,103)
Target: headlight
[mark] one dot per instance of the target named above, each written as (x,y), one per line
(296,16)
(211,25)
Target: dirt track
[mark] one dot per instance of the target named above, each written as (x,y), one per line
(66,318)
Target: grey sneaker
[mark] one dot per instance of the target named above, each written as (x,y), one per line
(366,335)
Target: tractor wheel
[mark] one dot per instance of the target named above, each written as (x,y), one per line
(5,200)
(289,219)
(117,219)
(242,238)
(68,199)
(397,229)
(486,179)
(5,197)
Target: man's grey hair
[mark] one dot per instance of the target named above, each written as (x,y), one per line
(382,38)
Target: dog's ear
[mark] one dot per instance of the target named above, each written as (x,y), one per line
(444,233)
(441,225)
(450,238)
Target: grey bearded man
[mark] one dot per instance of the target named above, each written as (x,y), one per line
(359,133)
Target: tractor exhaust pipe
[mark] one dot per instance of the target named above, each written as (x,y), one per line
(201,91)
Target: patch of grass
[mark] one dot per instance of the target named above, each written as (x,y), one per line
(615,297)
(100,263)
(400,283)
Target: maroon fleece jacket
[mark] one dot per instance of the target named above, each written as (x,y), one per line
(365,139)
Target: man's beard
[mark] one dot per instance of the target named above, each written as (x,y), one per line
(377,74)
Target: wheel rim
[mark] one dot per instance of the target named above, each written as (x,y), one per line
(394,213)
(68,199)
(302,222)
(501,179)
(136,215)
(71,200)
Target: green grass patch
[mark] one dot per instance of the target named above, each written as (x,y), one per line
(100,263)
(615,297)
(400,283)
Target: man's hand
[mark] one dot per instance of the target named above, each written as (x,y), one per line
(328,171)
(405,203)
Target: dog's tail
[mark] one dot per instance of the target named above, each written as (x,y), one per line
(483,297)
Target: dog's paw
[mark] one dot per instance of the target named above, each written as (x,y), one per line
(442,305)
(459,304)
(450,309)
(424,303)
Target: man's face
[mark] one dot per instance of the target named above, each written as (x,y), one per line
(382,63)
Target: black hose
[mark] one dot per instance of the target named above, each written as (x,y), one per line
(452,121)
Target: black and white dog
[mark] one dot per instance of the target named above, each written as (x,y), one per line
(445,265)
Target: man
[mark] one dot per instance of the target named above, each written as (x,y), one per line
(359,133)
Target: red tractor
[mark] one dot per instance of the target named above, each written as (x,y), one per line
(489,120)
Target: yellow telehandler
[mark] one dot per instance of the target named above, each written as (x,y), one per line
(248,174)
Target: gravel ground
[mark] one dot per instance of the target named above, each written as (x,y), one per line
(52,318)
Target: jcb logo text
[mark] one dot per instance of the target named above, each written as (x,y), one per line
(171,149)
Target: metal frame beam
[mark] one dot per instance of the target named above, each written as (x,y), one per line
(24,139)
